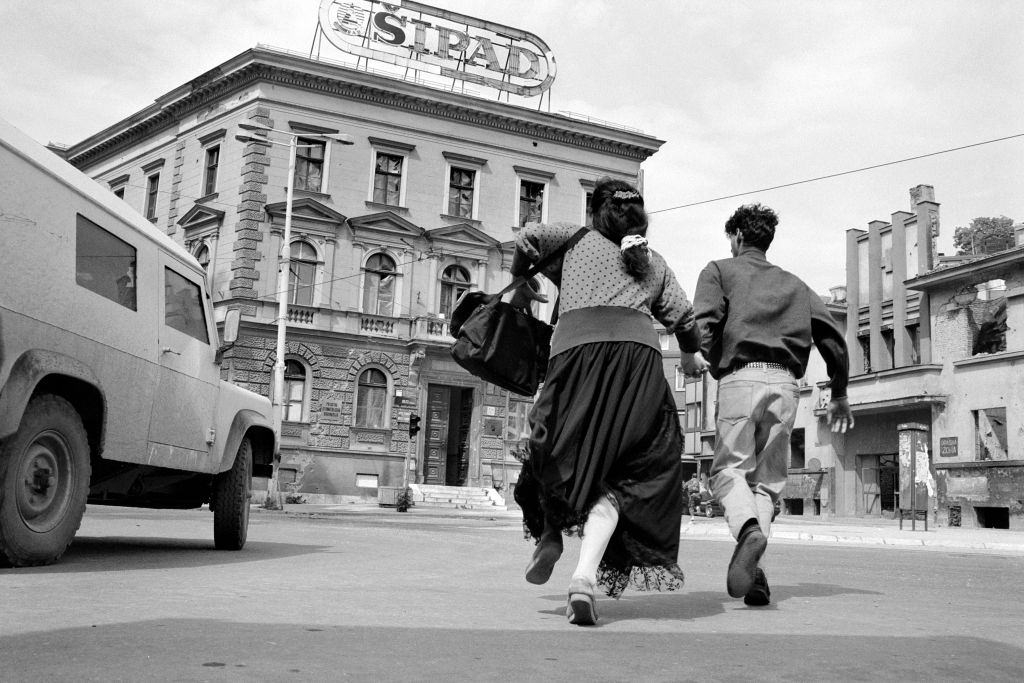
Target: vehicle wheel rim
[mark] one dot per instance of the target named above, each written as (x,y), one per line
(44,477)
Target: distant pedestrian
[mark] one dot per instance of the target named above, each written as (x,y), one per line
(693,497)
(605,441)
(758,322)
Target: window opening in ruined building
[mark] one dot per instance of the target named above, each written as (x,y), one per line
(309,164)
(865,352)
(371,399)
(993,517)
(301,271)
(454,283)
(987,318)
(794,506)
(817,507)
(990,427)
(379,285)
(796,449)
(588,215)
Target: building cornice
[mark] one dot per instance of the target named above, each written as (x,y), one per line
(979,266)
(268,65)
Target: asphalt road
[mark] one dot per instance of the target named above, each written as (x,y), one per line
(142,595)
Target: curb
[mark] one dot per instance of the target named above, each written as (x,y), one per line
(700,530)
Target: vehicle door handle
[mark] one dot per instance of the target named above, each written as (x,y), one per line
(168,349)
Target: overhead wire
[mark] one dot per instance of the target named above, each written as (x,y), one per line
(836,175)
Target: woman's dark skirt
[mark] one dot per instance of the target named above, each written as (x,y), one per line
(605,423)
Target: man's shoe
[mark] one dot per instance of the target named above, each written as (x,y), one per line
(749,548)
(759,595)
(545,555)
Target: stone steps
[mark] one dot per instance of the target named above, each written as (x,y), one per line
(456,497)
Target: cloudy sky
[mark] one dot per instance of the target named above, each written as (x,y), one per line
(747,95)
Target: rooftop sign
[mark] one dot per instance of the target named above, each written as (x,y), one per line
(419,37)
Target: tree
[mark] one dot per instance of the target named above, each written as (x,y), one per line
(984,236)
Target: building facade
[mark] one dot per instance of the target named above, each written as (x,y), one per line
(935,376)
(385,235)
(976,441)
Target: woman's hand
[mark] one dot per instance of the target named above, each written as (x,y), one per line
(524,295)
(694,364)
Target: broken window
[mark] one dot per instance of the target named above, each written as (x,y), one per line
(796,449)
(990,426)
(987,318)
(865,352)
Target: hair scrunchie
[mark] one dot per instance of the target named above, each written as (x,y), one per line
(630,241)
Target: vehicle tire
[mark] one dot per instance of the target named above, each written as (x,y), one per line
(44,483)
(232,491)
(709,511)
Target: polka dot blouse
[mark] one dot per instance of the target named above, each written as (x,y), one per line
(592,274)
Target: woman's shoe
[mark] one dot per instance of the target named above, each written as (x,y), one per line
(582,609)
(545,555)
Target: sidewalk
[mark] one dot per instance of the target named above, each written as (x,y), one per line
(853,531)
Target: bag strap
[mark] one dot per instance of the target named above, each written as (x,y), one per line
(545,262)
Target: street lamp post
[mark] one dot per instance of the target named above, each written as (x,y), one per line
(284,259)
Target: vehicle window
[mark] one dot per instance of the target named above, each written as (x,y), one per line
(183,306)
(104,264)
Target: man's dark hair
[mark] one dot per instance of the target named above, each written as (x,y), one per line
(756,223)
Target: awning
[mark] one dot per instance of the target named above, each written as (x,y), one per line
(893,404)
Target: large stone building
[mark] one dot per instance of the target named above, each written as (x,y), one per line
(385,236)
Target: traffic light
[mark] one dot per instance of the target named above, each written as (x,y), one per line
(414,425)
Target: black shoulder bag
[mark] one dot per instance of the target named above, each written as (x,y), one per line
(501,344)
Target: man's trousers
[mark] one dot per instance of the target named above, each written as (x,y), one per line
(755,414)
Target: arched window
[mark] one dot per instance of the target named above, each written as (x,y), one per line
(454,283)
(294,390)
(372,398)
(203,256)
(301,273)
(379,285)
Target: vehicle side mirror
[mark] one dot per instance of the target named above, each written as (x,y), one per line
(230,335)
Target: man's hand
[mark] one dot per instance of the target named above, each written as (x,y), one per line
(525,294)
(694,364)
(839,416)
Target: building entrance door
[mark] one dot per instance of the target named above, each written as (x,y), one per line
(869,501)
(449,416)
(878,484)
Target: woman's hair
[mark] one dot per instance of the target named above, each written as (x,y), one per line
(756,223)
(617,210)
